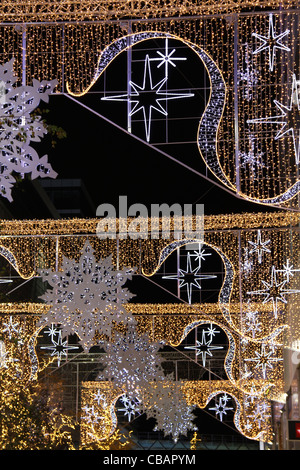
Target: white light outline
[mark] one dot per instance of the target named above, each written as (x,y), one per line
(157,88)
(276,42)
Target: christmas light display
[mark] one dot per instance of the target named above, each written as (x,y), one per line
(248,141)
(18,127)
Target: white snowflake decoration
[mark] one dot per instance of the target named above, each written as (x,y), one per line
(86,297)
(132,362)
(18,128)
(167,404)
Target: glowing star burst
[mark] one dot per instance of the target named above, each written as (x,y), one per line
(259,247)
(204,347)
(274,291)
(59,348)
(288,270)
(167,57)
(289,119)
(264,359)
(131,407)
(190,278)
(271,43)
(148,97)
(86,297)
(221,407)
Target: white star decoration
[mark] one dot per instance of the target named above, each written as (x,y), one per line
(189,278)
(204,347)
(59,348)
(221,407)
(271,43)
(259,247)
(141,94)
(167,58)
(264,359)
(274,291)
(288,270)
(289,119)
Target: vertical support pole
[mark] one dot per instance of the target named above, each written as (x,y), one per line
(24,48)
(63,58)
(236,110)
(77,391)
(129,65)
(56,253)
(178,272)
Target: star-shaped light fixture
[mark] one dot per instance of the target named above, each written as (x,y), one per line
(289,119)
(259,247)
(204,347)
(189,278)
(59,348)
(274,291)
(148,97)
(271,43)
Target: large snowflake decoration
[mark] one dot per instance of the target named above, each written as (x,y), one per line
(18,127)
(132,362)
(86,297)
(167,404)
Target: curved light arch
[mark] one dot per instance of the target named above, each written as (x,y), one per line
(210,119)
(216,100)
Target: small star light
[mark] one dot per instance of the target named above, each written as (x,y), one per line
(259,247)
(167,58)
(204,347)
(11,328)
(288,270)
(189,278)
(261,413)
(271,42)
(264,359)
(274,291)
(289,119)
(199,254)
(221,407)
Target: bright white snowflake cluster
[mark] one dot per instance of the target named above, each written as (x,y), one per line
(132,362)
(86,297)
(18,127)
(167,404)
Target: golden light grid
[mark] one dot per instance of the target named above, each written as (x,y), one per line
(72,10)
(171,324)
(197,393)
(234,221)
(33,252)
(70,53)
(270,388)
